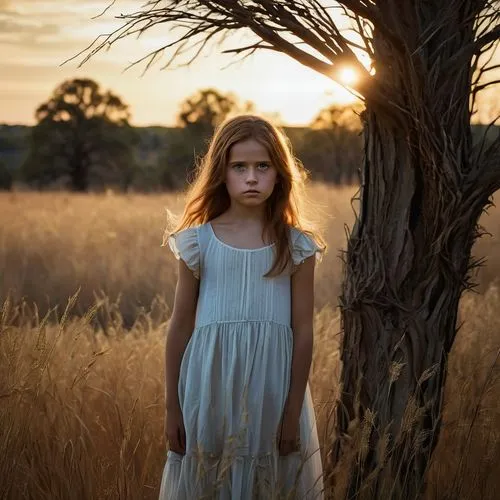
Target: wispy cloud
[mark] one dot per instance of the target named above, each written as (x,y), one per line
(47,24)
(21,27)
(89,8)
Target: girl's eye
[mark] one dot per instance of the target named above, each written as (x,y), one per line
(242,166)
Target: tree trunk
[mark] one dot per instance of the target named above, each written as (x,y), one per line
(79,170)
(406,266)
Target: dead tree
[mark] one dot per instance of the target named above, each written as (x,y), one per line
(424,185)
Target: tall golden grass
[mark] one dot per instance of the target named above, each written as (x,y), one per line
(86,291)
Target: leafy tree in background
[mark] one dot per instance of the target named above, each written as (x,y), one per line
(338,117)
(198,116)
(424,185)
(333,145)
(206,109)
(82,137)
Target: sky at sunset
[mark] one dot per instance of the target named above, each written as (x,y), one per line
(36,36)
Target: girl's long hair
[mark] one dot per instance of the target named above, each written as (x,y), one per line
(207,196)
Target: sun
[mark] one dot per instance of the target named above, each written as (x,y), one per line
(348,76)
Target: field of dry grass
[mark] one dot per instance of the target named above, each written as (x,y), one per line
(81,375)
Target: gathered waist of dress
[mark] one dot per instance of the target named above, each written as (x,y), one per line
(241,321)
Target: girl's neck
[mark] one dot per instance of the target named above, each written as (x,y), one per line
(243,214)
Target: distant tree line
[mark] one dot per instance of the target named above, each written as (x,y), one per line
(83,140)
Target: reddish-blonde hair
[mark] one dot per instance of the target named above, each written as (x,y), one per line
(207,196)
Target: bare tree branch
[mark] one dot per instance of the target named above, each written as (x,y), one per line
(481,68)
(478,88)
(483,42)
(364,31)
(369,12)
(484,68)
(252,48)
(486,39)
(105,10)
(486,20)
(489,165)
(280,25)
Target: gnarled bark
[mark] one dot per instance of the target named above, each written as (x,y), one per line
(407,263)
(405,268)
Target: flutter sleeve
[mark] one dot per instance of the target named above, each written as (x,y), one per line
(303,246)
(185,246)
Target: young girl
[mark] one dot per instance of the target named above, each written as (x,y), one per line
(239,417)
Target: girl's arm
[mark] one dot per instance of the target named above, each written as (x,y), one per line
(302,326)
(179,331)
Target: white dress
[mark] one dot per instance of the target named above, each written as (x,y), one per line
(234,378)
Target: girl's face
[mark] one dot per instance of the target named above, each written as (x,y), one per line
(250,169)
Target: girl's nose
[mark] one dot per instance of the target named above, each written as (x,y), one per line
(251,177)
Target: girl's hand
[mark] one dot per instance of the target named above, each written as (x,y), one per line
(289,432)
(175,434)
